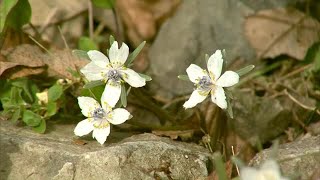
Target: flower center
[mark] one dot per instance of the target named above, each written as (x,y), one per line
(100,119)
(205,83)
(114,75)
(98,114)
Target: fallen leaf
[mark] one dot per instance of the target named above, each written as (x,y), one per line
(281,31)
(79,142)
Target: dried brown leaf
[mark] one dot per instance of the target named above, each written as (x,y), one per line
(184,134)
(281,31)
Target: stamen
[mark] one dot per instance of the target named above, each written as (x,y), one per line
(205,83)
(114,75)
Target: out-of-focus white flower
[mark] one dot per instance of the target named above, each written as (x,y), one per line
(112,71)
(269,170)
(42,97)
(210,81)
(99,118)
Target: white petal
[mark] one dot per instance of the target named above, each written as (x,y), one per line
(123,53)
(195,73)
(270,165)
(133,78)
(218,97)
(111,94)
(98,58)
(101,134)
(194,99)
(87,105)
(92,72)
(118,56)
(83,127)
(229,78)
(248,173)
(215,63)
(119,116)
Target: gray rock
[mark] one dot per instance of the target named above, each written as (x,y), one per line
(196,29)
(55,155)
(299,158)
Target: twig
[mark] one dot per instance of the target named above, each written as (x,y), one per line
(63,38)
(299,103)
(40,45)
(90,19)
(235,164)
(292,73)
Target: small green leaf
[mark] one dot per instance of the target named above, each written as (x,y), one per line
(128,91)
(86,44)
(30,118)
(5,7)
(123,97)
(146,77)
(19,15)
(16,115)
(80,54)
(184,77)
(55,92)
(41,128)
(95,92)
(206,57)
(26,86)
(111,40)
(134,54)
(93,84)
(106,4)
(220,166)
(16,98)
(229,107)
(245,70)
(51,109)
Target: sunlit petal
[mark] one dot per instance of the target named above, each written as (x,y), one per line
(133,78)
(218,97)
(87,105)
(215,63)
(195,73)
(101,134)
(83,127)
(248,173)
(119,116)
(114,52)
(229,78)
(92,72)
(194,99)
(111,94)
(123,53)
(98,58)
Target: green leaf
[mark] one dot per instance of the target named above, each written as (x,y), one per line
(146,77)
(220,166)
(55,92)
(16,115)
(16,98)
(123,96)
(206,57)
(312,53)
(41,128)
(111,40)
(134,54)
(26,85)
(19,15)
(237,162)
(106,4)
(245,70)
(31,118)
(80,54)
(95,92)
(229,107)
(5,8)
(86,44)
(93,84)
(51,109)
(184,77)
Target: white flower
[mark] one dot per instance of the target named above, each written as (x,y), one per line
(99,118)
(268,171)
(210,82)
(112,71)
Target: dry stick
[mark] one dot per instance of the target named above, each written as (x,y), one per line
(90,19)
(235,164)
(296,71)
(299,103)
(280,37)
(40,45)
(63,38)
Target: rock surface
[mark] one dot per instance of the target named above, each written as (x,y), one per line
(196,29)
(55,155)
(300,158)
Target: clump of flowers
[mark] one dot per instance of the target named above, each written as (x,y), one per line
(114,72)
(269,170)
(99,118)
